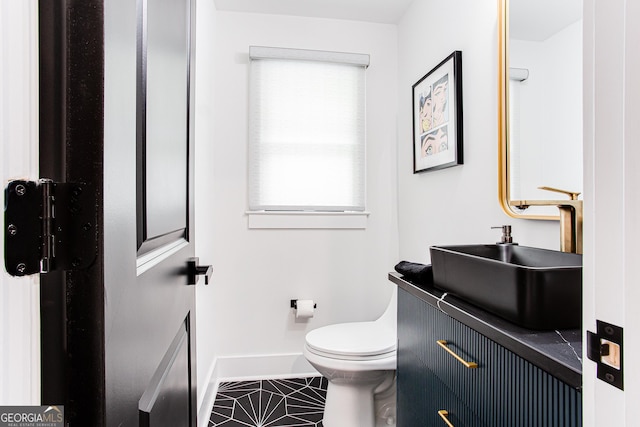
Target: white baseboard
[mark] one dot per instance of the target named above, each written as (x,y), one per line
(247,368)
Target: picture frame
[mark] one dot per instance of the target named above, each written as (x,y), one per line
(437,117)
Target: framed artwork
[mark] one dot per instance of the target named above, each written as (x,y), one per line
(437,116)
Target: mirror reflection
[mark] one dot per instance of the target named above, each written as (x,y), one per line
(544,101)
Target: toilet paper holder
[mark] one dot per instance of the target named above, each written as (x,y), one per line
(294,304)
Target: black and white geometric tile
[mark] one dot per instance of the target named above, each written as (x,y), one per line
(297,402)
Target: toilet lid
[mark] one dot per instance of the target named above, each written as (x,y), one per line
(361,339)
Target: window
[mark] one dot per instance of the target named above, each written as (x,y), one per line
(306,130)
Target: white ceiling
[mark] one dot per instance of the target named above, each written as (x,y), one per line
(381,11)
(537,20)
(529,19)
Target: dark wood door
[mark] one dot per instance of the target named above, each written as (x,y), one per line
(118,339)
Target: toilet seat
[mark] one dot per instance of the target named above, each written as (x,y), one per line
(352,341)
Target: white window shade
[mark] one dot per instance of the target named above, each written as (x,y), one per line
(306,130)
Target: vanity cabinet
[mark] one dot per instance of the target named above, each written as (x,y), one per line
(504,390)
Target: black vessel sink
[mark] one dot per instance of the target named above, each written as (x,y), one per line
(531,287)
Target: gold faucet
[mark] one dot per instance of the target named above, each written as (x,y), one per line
(570,217)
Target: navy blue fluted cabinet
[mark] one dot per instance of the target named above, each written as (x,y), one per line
(504,390)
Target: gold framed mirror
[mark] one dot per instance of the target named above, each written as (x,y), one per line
(539,107)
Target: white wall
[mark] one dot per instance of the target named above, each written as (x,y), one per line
(612,184)
(455,205)
(245,310)
(19,296)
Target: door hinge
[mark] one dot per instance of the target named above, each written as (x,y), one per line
(49,226)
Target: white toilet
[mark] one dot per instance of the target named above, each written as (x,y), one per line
(359,361)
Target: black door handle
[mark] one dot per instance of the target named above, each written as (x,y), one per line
(194,270)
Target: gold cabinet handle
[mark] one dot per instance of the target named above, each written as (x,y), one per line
(470,365)
(443,414)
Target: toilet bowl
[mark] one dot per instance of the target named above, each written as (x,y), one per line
(359,361)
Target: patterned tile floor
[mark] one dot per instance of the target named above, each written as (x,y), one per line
(297,402)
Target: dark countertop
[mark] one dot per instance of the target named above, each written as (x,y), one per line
(556,352)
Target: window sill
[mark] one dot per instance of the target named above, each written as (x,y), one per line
(307,220)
